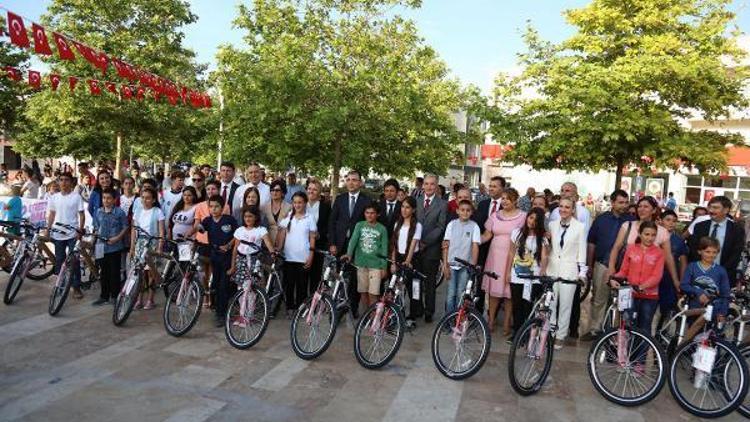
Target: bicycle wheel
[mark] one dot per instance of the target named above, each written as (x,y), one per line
(632,377)
(127,297)
(41,267)
(313,327)
(530,359)
(744,408)
(11,248)
(15,280)
(60,290)
(439,277)
(709,395)
(460,344)
(607,323)
(183,307)
(379,335)
(274,292)
(246,322)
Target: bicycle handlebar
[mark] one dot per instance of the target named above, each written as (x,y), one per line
(548,279)
(476,268)
(406,268)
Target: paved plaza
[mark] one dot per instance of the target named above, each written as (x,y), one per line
(79,367)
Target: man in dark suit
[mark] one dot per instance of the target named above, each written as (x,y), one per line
(731,236)
(228,186)
(432,213)
(484,209)
(348,209)
(390,208)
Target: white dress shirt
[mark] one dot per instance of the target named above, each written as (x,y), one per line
(582,215)
(313,210)
(265,197)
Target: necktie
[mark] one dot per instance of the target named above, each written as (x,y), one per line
(390,211)
(494,207)
(352,201)
(224,194)
(426,204)
(562,236)
(714,231)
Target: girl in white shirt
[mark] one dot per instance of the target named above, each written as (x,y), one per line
(567,261)
(406,234)
(297,234)
(149,218)
(251,231)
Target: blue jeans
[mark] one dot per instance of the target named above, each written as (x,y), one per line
(645,309)
(62,249)
(456,288)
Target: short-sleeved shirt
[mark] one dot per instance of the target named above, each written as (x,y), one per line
(525,264)
(403,238)
(183,221)
(460,236)
(32,190)
(603,234)
(220,232)
(143,218)
(297,240)
(201,212)
(14,212)
(662,234)
(254,235)
(169,200)
(67,208)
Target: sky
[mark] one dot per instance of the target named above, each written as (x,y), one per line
(476,38)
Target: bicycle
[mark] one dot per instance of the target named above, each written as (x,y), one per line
(383,322)
(315,321)
(440,276)
(133,285)
(72,263)
(741,298)
(185,299)
(713,368)
(248,312)
(463,334)
(630,356)
(534,341)
(25,258)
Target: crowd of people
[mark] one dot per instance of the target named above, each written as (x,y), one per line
(508,234)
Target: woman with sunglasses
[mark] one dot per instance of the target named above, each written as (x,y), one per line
(276,210)
(199,184)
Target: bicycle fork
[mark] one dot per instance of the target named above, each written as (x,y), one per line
(535,348)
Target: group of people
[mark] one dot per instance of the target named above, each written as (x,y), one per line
(503,232)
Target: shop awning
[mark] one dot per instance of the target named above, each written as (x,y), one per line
(738,156)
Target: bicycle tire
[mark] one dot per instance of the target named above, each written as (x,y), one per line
(60,293)
(49,265)
(230,319)
(362,327)
(607,323)
(478,363)
(15,281)
(659,358)
(733,402)
(274,282)
(518,342)
(125,302)
(9,246)
(196,291)
(440,276)
(744,408)
(300,318)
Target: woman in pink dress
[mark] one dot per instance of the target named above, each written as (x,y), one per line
(498,227)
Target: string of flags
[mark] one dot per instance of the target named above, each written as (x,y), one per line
(148,83)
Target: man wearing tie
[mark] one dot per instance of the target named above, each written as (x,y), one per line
(255,179)
(228,187)
(484,210)
(390,208)
(432,213)
(348,209)
(731,236)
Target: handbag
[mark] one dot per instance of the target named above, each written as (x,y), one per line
(621,254)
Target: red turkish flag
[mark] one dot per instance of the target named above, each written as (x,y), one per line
(207,101)
(94,87)
(73,81)
(17,31)
(87,52)
(111,87)
(54,80)
(127,93)
(122,70)
(12,73)
(41,43)
(63,48)
(102,62)
(172,99)
(157,95)
(139,93)
(35,79)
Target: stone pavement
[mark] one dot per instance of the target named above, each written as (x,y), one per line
(79,367)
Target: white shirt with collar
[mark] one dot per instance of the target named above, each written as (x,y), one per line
(426,198)
(390,205)
(313,210)
(582,215)
(263,189)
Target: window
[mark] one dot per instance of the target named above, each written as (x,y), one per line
(722,182)
(744,194)
(695,180)
(693,195)
(744,182)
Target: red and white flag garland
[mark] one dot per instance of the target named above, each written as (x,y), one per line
(160,87)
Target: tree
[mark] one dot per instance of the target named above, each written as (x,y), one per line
(146,34)
(12,93)
(616,94)
(327,84)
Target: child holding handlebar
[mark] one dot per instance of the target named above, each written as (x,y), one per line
(705,278)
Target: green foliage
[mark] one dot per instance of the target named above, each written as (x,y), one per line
(328,84)
(622,87)
(12,93)
(146,34)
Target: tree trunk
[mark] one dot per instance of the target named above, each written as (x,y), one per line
(618,173)
(118,157)
(336,168)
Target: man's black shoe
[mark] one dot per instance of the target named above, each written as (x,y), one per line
(428,319)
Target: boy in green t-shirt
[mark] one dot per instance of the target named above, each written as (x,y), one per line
(368,244)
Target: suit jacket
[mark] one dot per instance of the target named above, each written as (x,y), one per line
(480,216)
(230,195)
(433,226)
(731,251)
(324,216)
(563,262)
(389,223)
(341,226)
(271,224)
